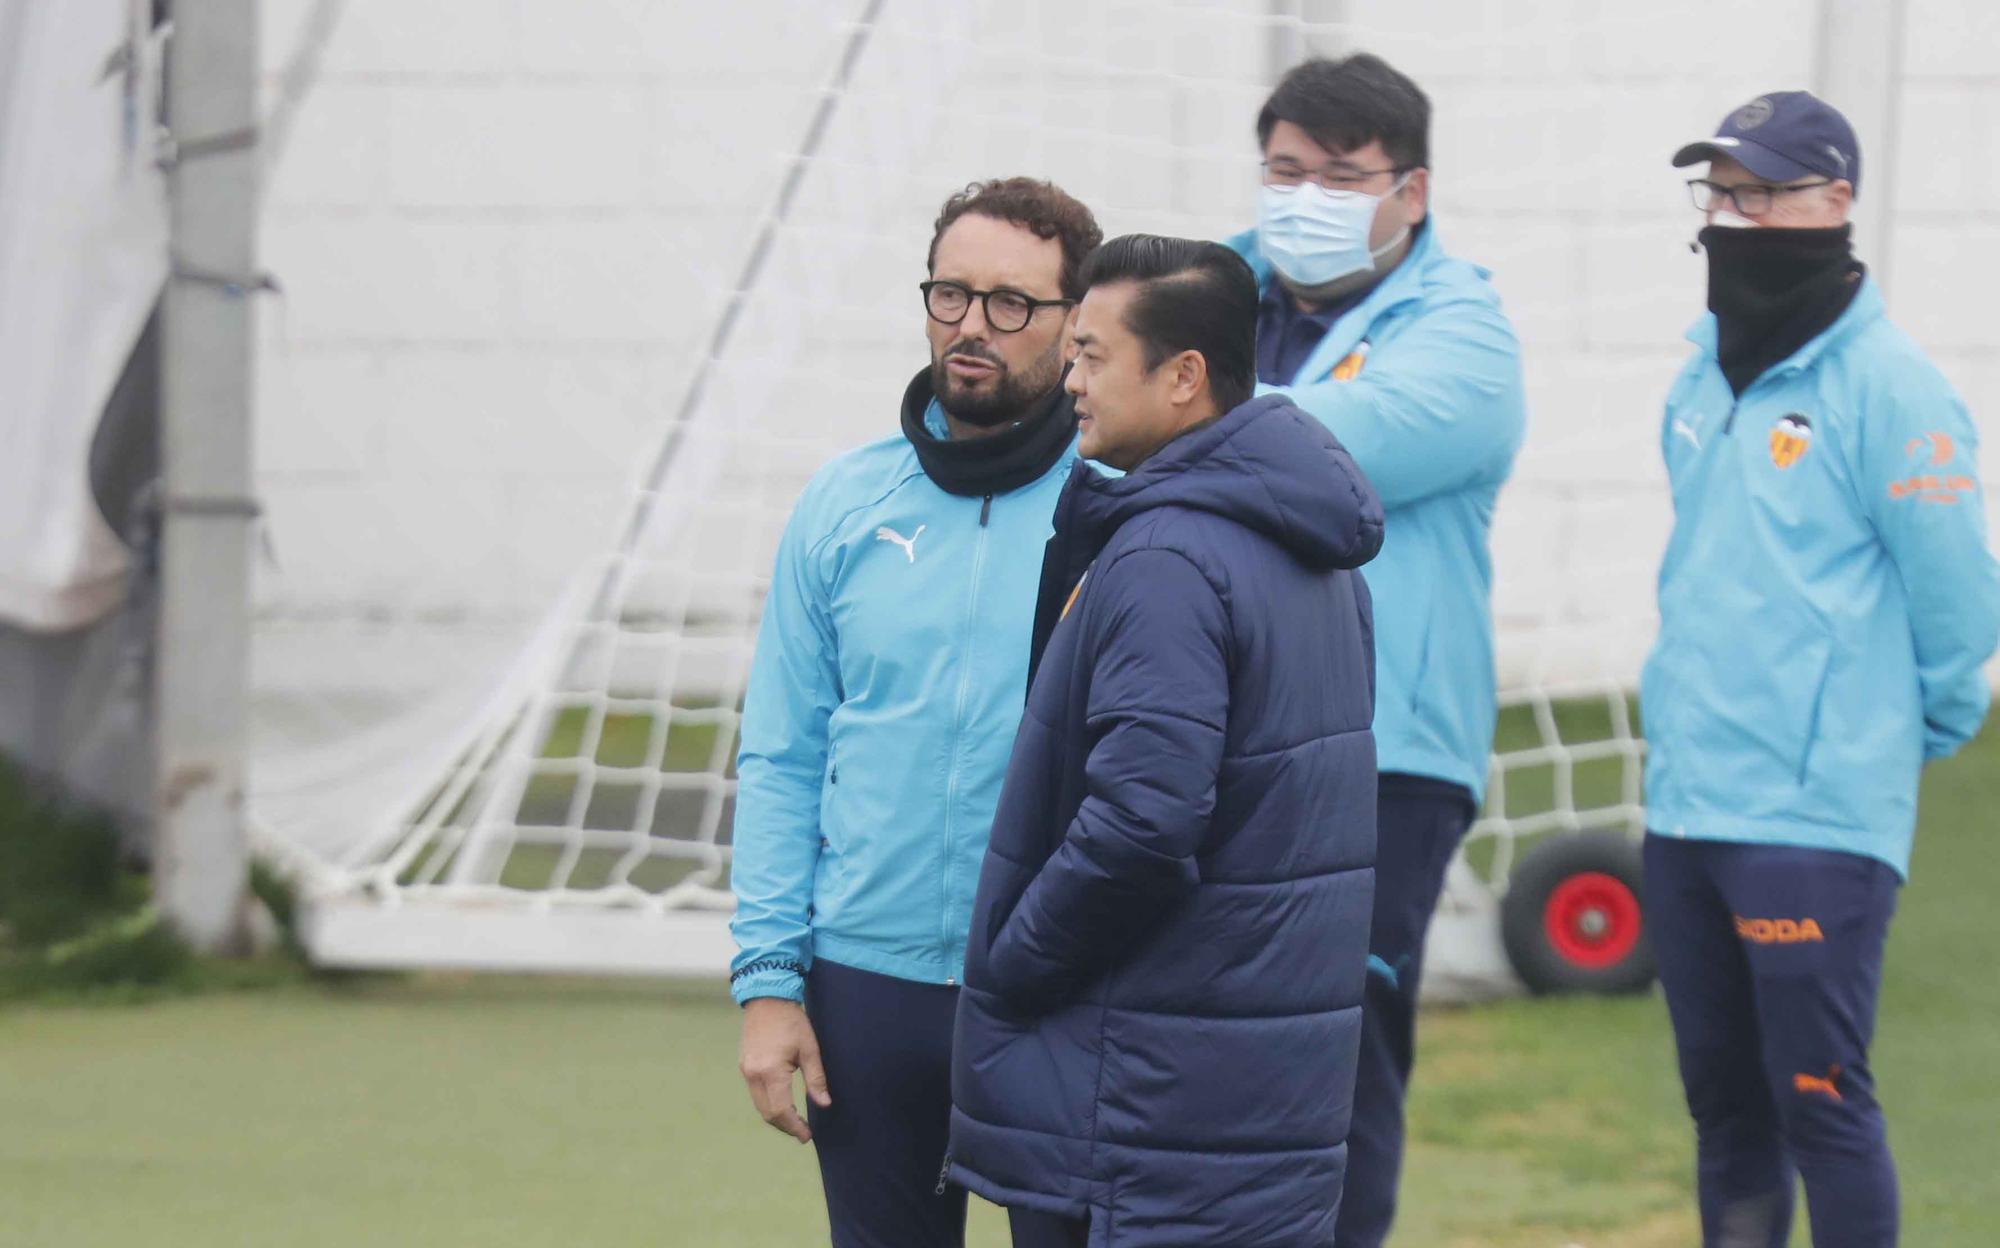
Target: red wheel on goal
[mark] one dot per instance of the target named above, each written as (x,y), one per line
(1592,919)
(1572,920)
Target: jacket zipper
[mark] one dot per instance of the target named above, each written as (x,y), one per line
(1736,400)
(1728,428)
(958,723)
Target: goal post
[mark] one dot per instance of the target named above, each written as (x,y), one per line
(579,296)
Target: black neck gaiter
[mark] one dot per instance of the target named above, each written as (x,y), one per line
(1774,290)
(999,462)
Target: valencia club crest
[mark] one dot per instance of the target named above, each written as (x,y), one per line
(1791,437)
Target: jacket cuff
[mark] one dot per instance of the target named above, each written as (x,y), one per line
(781,977)
(1938,743)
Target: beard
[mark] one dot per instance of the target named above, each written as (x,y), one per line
(1006,399)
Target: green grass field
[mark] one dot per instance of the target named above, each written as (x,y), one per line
(512,1112)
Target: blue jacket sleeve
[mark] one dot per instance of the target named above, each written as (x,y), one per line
(794,686)
(1435,408)
(1158,706)
(1919,480)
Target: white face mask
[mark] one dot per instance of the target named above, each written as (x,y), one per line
(1313,236)
(1730,220)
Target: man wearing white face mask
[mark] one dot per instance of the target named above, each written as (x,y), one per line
(1403,352)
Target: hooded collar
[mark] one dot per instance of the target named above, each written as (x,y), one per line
(999,463)
(1265,465)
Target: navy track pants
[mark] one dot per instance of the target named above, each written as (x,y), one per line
(886,1043)
(1771,960)
(1419,823)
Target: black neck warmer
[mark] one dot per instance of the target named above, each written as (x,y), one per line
(999,462)
(1773,291)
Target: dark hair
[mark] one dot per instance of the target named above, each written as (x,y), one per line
(1193,296)
(1347,103)
(1042,208)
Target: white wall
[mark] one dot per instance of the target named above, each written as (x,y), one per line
(504,227)
(500,227)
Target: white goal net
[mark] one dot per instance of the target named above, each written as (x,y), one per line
(579,294)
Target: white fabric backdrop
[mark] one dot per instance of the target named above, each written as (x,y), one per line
(83,251)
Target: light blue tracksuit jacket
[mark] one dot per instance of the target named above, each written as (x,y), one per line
(1827,597)
(890,672)
(1434,417)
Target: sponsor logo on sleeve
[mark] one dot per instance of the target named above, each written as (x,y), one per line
(1932,450)
(1938,446)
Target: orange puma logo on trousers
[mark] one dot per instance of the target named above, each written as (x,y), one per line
(1803,1084)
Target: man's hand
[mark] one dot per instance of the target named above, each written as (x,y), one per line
(778,1040)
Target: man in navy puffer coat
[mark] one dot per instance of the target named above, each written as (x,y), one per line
(1157,1035)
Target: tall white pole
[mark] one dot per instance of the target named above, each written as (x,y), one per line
(1296,29)
(1860,72)
(202,692)
(1285,42)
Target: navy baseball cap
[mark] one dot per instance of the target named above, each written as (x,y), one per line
(1783,136)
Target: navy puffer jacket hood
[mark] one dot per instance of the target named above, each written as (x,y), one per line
(1269,467)
(1163,980)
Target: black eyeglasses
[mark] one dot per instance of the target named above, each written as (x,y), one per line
(1752,199)
(1287,175)
(1007,311)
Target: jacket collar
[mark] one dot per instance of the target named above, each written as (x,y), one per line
(1403,285)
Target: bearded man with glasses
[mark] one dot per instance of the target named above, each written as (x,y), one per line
(889,677)
(1404,353)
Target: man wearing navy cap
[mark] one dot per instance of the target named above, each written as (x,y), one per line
(1827,600)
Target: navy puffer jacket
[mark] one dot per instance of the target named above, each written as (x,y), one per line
(1163,982)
